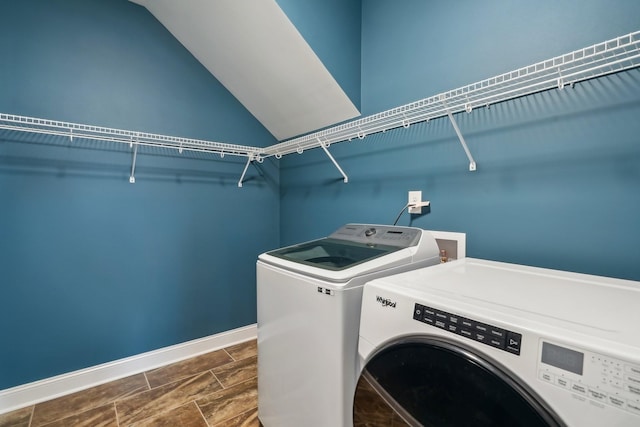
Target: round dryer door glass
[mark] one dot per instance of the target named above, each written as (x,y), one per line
(436,383)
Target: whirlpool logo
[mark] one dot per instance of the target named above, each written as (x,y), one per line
(386,302)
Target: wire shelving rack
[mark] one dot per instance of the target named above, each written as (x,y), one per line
(611,56)
(80,132)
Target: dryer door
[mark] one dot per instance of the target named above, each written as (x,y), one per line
(432,382)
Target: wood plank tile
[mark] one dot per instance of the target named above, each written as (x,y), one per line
(237,372)
(187,368)
(104,416)
(371,410)
(246,419)
(243,350)
(159,400)
(230,402)
(17,418)
(82,401)
(184,416)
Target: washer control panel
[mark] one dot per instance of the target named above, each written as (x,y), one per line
(591,376)
(478,331)
(403,237)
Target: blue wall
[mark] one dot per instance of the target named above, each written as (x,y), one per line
(558,172)
(92,268)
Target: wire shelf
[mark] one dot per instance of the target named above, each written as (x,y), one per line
(80,131)
(612,56)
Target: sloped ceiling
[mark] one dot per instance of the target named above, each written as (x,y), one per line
(254,50)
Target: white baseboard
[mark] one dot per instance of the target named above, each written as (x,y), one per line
(60,385)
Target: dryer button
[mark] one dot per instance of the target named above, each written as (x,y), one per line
(617,401)
(480,337)
(497,342)
(632,389)
(467,323)
(546,376)
(579,388)
(514,340)
(563,382)
(497,332)
(466,333)
(633,407)
(418,311)
(454,319)
(482,328)
(429,313)
(598,395)
(633,369)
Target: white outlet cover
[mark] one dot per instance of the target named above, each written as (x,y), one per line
(415,197)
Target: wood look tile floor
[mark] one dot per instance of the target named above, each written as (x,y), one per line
(212,390)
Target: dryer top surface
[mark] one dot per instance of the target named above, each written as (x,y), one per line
(602,306)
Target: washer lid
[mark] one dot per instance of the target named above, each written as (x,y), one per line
(333,254)
(355,250)
(350,245)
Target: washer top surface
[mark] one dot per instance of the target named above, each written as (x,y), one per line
(354,250)
(599,308)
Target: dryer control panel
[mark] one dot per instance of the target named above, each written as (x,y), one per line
(469,328)
(591,376)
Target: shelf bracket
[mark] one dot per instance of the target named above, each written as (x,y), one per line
(472,162)
(132,178)
(324,146)
(249,160)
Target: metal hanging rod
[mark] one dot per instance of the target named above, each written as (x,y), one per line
(612,56)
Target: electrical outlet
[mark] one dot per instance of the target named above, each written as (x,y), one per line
(415,197)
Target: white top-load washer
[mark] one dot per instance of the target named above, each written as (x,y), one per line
(475,342)
(309,298)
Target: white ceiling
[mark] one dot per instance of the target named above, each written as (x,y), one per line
(253,49)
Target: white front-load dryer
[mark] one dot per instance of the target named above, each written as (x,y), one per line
(482,343)
(309,298)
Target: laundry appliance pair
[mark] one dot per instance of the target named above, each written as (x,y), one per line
(467,342)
